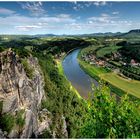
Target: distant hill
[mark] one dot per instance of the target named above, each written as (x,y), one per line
(45,35)
(134,31)
(132,34)
(102,34)
(80,35)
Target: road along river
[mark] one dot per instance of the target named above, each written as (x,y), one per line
(78,78)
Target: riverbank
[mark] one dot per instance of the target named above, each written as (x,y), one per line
(118,85)
(61,72)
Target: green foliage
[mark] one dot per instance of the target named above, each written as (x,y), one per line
(20,120)
(60,99)
(1,49)
(7,122)
(27,68)
(21,52)
(110,118)
(131,51)
(58,45)
(45,134)
(107,50)
(1,105)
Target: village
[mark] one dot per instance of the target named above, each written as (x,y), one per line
(114,63)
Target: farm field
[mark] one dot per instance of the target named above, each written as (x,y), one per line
(107,50)
(128,86)
(91,70)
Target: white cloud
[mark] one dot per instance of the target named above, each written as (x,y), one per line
(27,27)
(100,3)
(115,13)
(104,18)
(63,16)
(74,26)
(4,11)
(80,5)
(24,23)
(35,8)
(106,23)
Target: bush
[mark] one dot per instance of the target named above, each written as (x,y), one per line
(20,120)
(109,118)
(7,122)
(60,99)
(27,68)
(1,105)
(1,49)
(46,134)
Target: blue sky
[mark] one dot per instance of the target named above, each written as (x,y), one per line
(68,17)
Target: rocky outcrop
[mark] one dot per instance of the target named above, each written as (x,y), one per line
(19,92)
(45,121)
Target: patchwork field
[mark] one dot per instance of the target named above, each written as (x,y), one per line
(129,86)
(107,50)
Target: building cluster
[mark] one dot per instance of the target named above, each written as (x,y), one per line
(92,59)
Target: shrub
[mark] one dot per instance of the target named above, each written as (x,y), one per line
(20,120)
(27,68)
(45,134)
(1,105)
(109,118)
(7,121)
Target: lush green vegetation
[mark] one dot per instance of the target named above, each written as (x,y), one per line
(1,105)
(28,69)
(107,50)
(89,49)
(20,121)
(7,122)
(130,50)
(59,45)
(108,118)
(129,86)
(91,70)
(61,99)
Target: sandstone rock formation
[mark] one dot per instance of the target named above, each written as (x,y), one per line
(19,92)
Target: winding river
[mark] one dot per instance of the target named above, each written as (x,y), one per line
(78,78)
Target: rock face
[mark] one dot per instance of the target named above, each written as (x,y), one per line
(19,92)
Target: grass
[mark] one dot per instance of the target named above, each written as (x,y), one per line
(116,82)
(129,86)
(91,70)
(88,49)
(107,50)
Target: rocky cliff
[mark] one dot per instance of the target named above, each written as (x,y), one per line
(21,95)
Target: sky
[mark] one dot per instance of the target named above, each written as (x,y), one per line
(70,17)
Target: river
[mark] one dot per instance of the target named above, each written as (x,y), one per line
(78,78)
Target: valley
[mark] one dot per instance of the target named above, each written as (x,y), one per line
(52,86)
